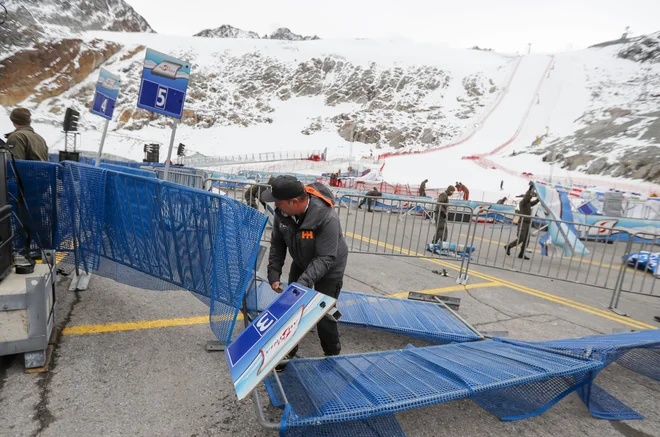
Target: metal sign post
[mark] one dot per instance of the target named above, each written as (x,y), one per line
(163,90)
(169,151)
(105,98)
(105,132)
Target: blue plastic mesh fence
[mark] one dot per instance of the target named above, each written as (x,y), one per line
(149,233)
(129,170)
(414,319)
(637,351)
(610,348)
(603,405)
(42,188)
(83,206)
(384,425)
(346,388)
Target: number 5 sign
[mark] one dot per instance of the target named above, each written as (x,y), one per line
(107,92)
(164,84)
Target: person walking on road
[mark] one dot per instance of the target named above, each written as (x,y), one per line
(441,215)
(24,142)
(307,225)
(422,188)
(525,209)
(373,193)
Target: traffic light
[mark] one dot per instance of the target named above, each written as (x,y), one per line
(151,152)
(71,118)
(181,150)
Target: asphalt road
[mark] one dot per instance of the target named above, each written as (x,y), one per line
(147,372)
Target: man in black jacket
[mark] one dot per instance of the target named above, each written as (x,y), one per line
(307,225)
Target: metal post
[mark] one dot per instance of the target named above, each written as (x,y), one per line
(169,152)
(614,303)
(105,132)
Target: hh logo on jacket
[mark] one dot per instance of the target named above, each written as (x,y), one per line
(307,235)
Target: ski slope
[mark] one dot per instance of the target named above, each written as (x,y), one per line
(547,96)
(445,167)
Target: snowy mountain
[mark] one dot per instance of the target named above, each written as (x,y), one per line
(285,34)
(29,20)
(227,31)
(617,132)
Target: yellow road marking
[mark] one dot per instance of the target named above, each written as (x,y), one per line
(512,285)
(201,320)
(449,289)
(492,282)
(134,326)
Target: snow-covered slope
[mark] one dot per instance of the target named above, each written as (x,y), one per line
(264,95)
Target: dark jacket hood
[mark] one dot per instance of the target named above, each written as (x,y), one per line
(321,202)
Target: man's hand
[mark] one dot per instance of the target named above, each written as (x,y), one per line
(276,287)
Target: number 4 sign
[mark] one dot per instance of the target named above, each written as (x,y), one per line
(107,92)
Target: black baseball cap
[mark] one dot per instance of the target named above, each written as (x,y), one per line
(284,187)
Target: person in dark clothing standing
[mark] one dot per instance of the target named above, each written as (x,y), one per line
(422,188)
(525,208)
(24,142)
(373,193)
(253,194)
(308,226)
(441,215)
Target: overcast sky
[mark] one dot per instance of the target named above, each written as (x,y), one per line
(505,25)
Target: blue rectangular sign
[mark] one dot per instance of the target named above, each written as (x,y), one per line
(107,92)
(164,84)
(263,344)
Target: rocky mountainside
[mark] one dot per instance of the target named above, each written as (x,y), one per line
(643,49)
(29,21)
(391,106)
(227,31)
(41,52)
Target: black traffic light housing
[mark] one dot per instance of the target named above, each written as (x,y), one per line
(151,153)
(181,150)
(71,118)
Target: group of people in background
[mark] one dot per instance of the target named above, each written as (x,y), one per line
(335,181)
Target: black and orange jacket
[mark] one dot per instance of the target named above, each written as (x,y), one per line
(315,243)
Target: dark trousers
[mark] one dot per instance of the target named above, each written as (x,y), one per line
(326,328)
(364,199)
(523,238)
(440,231)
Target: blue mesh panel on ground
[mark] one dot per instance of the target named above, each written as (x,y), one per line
(384,425)
(159,235)
(414,319)
(605,406)
(346,388)
(605,348)
(637,351)
(42,187)
(129,170)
